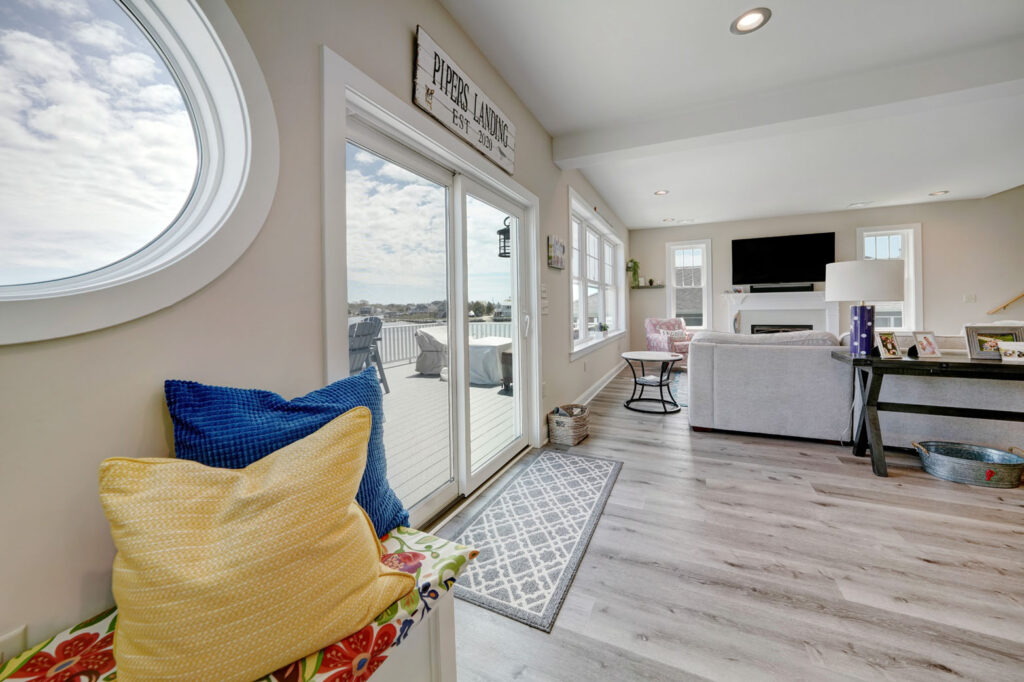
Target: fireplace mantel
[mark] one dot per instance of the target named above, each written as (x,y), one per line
(782,301)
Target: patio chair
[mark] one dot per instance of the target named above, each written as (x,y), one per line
(363,352)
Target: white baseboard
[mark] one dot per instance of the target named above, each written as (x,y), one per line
(589,394)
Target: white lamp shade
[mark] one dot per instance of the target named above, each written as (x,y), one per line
(864,280)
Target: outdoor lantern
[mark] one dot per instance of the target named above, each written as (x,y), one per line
(505,239)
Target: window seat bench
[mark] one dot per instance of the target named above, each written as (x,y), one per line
(414,638)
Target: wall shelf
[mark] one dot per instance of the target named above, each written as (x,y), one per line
(656,286)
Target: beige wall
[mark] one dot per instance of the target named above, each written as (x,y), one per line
(969,247)
(69,403)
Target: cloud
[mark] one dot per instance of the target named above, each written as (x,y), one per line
(365,157)
(96,156)
(36,57)
(102,34)
(397,238)
(62,8)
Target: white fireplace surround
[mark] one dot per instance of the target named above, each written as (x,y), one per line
(783,307)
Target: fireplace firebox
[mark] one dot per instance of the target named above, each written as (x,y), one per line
(776,328)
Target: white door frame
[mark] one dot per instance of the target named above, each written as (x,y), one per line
(521,328)
(348,91)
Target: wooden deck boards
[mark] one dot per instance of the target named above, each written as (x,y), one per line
(417,434)
(731,557)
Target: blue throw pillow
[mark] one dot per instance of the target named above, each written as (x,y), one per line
(233,427)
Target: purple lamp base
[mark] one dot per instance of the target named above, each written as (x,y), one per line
(862,329)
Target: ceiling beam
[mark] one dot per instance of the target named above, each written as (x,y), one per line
(973,75)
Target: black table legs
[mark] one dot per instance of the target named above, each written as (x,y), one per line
(663,384)
(869,430)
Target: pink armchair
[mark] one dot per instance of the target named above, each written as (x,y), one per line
(656,340)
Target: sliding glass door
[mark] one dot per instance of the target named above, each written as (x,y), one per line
(433,303)
(496,327)
(397,236)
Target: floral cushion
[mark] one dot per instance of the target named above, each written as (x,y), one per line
(86,650)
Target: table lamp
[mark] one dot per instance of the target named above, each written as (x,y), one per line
(863,280)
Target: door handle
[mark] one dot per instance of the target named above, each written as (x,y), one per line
(526,326)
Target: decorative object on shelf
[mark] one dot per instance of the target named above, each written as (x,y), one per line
(568,424)
(864,280)
(505,239)
(983,339)
(1011,351)
(971,464)
(926,346)
(556,252)
(633,268)
(650,282)
(888,345)
(602,327)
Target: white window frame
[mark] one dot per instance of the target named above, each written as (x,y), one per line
(913,282)
(706,284)
(590,221)
(236,128)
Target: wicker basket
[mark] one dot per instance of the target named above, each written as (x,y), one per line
(569,430)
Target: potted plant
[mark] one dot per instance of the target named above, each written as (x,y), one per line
(633,268)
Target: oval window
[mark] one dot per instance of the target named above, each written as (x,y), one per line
(98,146)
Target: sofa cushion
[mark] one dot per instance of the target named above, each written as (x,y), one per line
(801,338)
(274,560)
(233,427)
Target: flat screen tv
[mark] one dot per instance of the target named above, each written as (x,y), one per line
(777,260)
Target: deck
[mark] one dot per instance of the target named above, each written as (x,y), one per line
(417,432)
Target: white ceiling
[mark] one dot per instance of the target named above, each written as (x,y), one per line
(830,103)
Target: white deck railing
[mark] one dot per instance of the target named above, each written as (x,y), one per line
(398,341)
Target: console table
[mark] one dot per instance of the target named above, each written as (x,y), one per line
(870,370)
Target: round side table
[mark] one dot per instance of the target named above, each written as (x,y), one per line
(662,380)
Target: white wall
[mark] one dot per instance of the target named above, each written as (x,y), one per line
(972,247)
(69,403)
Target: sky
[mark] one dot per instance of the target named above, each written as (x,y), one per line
(97,149)
(397,233)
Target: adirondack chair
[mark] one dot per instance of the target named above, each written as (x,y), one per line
(362,347)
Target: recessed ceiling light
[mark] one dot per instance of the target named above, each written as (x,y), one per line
(750,21)
(660,192)
(859,204)
(668,220)
(687,221)
(940,193)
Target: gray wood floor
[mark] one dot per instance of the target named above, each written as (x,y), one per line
(729,557)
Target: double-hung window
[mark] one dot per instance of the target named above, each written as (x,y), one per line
(896,242)
(597,266)
(689,279)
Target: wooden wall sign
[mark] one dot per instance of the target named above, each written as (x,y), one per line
(444,91)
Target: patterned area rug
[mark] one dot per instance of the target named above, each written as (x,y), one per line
(533,534)
(681,389)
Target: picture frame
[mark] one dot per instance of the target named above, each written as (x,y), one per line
(1011,351)
(926,345)
(556,252)
(888,344)
(983,339)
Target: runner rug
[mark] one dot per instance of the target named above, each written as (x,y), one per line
(533,534)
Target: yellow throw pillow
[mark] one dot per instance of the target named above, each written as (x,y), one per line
(229,574)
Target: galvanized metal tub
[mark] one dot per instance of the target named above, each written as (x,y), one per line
(971,464)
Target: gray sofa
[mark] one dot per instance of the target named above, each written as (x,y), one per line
(758,384)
